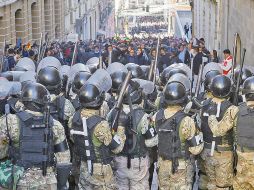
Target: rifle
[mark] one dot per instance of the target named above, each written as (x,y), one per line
(40,46)
(120,101)
(151,71)
(110,57)
(74,54)
(191,67)
(175,162)
(201,68)
(239,78)
(47,135)
(156,60)
(44,48)
(234,56)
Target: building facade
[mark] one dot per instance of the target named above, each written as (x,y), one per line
(219,20)
(99,19)
(23,21)
(74,16)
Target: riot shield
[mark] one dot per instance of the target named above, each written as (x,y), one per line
(9,88)
(211,67)
(93,61)
(169,72)
(181,78)
(64,70)
(145,69)
(183,67)
(147,86)
(25,64)
(135,69)
(12,75)
(28,76)
(77,68)
(49,62)
(101,79)
(116,67)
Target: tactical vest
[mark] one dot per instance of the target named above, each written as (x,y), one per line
(99,154)
(57,108)
(33,131)
(169,145)
(245,127)
(208,135)
(135,142)
(75,103)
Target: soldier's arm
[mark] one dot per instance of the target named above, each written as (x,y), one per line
(191,135)
(220,128)
(13,127)
(149,131)
(61,148)
(69,110)
(103,133)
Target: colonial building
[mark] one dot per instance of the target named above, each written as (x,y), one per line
(219,20)
(23,21)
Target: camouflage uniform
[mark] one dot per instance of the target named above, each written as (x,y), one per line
(244,178)
(33,178)
(102,175)
(219,166)
(182,179)
(203,179)
(135,177)
(76,161)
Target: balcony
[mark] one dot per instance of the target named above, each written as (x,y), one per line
(6,2)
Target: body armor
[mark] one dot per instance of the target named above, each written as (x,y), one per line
(99,154)
(57,108)
(245,128)
(208,135)
(135,142)
(169,145)
(31,142)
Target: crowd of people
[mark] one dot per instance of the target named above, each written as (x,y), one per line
(149,24)
(107,114)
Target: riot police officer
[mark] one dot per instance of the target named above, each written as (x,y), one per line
(36,141)
(218,119)
(244,139)
(178,139)
(94,141)
(133,162)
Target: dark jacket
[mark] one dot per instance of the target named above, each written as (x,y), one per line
(164,62)
(197,61)
(11,63)
(141,60)
(131,59)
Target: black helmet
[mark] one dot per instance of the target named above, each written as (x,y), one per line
(174,93)
(166,74)
(90,96)
(117,79)
(33,96)
(136,71)
(135,93)
(246,73)
(209,77)
(248,88)
(51,79)
(221,86)
(79,80)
